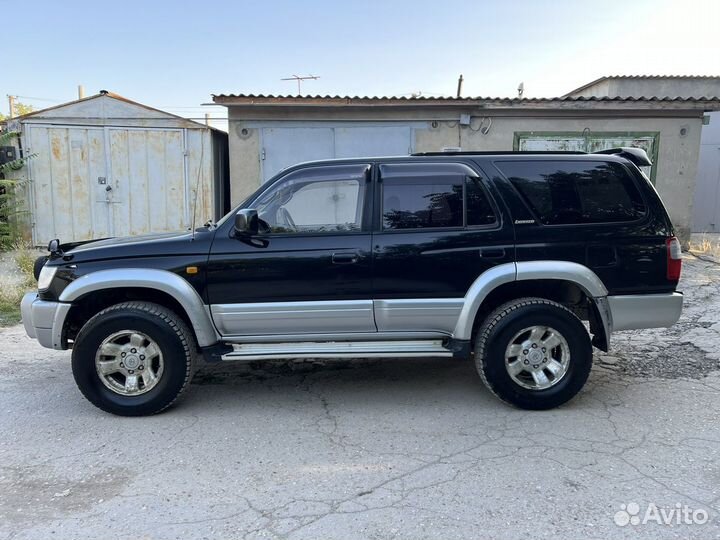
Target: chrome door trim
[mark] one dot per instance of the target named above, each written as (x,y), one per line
(268,318)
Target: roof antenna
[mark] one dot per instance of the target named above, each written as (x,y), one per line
(460,81)
(301,79)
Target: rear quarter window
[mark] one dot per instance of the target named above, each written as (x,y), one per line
(575,192)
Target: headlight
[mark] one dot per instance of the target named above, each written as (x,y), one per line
(46,276)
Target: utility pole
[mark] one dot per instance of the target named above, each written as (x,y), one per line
(11,105)
(207,119)
(81,91)
(460,81)
(300,79)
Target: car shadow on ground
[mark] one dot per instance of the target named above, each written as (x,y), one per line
(445,383)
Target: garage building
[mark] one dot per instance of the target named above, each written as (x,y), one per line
(268,133)
(108,166)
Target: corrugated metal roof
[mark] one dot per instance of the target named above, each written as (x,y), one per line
(113,95)
(639,77)
(660,77)
(219,98)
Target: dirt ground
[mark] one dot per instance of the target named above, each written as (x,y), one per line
(412,448)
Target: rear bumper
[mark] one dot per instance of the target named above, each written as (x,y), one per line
(44,320)
(635,311)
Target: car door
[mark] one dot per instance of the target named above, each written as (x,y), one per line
(437,228)
(308,270)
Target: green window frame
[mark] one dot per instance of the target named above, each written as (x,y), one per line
(591,138)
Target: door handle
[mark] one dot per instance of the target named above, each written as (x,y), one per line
(492,253)
(345,258)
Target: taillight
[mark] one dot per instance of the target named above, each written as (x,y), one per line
(674,258)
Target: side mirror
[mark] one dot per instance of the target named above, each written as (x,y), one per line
(246,222)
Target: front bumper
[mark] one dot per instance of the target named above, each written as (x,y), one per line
(44,320)
(636,311)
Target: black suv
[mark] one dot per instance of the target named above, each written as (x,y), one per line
(499,257)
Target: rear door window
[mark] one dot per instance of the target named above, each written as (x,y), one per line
(427,203)
(575,192)
(422,196)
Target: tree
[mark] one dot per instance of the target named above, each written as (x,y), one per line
(12,204)
(20,109)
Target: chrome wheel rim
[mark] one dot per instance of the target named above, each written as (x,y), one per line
(537,357)
(129,363)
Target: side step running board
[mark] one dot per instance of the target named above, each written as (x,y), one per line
(337,349)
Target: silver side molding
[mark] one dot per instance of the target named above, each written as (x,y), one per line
(418,315)
(294,317)
(337,336)
(146,278)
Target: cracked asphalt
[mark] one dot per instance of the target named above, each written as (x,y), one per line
(411,448)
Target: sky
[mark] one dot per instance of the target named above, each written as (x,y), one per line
(174,54)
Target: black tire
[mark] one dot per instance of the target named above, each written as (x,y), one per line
(170,333)
(497,332)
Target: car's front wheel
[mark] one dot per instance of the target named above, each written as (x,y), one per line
(133,359)
(533,353)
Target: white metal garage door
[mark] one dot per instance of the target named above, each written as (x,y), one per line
(706,211)
(285,146)
(94,182)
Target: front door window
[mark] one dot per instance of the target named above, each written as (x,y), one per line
(314,203)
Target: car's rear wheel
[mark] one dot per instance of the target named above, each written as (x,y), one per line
(533,353)
(133,359)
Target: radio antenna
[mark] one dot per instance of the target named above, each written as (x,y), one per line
(301,79)
(197,185)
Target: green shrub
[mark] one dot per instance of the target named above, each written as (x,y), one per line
(13,211)
(25,259)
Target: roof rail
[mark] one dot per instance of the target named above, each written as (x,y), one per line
(636,155)
(495,153)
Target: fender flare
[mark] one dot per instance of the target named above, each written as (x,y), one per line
(576,273)
(145,278)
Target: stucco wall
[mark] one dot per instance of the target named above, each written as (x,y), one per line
(676,167)
(677,158)
(244,161)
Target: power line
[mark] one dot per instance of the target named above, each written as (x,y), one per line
(41,99)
